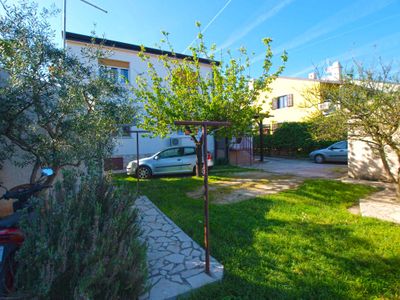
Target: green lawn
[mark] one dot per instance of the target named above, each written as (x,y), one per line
(298,244)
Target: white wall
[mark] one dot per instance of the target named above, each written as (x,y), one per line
(126,147)
(365,163)
(150,145)
(11,176)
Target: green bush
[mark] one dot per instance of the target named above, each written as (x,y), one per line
(83,244)
(294,137)
(291,139)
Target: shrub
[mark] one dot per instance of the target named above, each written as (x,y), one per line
(291,139)
(83,244)
(294,137)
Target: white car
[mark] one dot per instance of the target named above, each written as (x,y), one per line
(169,161)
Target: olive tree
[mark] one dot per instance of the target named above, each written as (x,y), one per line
(55,110)
(182,90)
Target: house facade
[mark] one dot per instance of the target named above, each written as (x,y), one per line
(288,101)
(125,62)
(289,98)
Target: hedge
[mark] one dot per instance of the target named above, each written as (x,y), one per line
(290,139)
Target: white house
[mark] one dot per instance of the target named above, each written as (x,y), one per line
(124,60)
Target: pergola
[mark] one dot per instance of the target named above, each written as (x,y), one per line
(204,125)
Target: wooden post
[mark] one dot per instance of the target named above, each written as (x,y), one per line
(137,163)
(206,218)
(204,124)
(137,153)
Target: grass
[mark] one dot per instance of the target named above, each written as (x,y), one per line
(298,244)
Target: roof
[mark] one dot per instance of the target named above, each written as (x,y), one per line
(70,36)
(308,79)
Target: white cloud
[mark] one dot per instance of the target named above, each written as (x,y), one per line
(351,13)
(236,36)
(378,46)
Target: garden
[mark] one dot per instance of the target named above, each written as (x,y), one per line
(84,240)
(300,243)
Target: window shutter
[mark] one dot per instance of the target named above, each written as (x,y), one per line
(274,103)
(290,100)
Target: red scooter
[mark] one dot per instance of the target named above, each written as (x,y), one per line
(11,237)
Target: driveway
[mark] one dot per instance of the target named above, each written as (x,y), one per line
(301,168)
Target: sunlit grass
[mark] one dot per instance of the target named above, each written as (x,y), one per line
(298,244)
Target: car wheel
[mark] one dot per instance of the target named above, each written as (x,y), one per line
(319,159)
(143,172)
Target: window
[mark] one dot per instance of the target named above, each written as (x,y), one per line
(118,75)
(282,101)
(189,151)
(171,153)
(115,69)
(339,145)
(126,131)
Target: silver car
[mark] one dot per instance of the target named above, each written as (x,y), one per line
(334,153)
(169,161)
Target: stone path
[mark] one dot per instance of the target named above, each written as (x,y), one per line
(246,185)
(175,261)
(381,205)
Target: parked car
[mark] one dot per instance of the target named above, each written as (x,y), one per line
(168,161)
(334,153)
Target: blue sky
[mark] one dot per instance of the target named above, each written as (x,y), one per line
(313,32)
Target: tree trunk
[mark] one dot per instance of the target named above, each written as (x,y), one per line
(385,163)
(398,181)
(35,169)
(50,179)
(227,150)
(199,159)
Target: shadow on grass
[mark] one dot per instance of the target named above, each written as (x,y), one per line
(298,244)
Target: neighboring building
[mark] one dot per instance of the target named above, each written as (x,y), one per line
(124,61)
(287,101)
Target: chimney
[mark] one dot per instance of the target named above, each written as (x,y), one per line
(312,75)
(334,71)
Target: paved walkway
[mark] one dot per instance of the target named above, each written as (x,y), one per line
(301,167)
(175,261)
(381,205)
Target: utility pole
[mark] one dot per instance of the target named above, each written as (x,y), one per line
(65,18)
